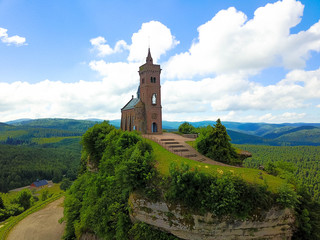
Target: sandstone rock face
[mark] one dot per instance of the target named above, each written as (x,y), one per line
(274,224)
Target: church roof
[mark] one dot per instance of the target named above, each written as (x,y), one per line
(131,104)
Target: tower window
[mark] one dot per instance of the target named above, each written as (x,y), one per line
(142,80)
(153,80)
(154,99)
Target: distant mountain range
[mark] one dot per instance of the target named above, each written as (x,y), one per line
(291,134)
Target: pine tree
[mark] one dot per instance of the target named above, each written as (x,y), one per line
(214,142)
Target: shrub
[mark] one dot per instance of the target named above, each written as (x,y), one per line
(221,195)
(287,197)
(186,128)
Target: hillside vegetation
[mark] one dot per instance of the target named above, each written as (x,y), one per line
(40,149)
(124,163)
(299,164)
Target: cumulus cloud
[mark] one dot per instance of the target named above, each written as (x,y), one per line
(235,93)
(104,49)
(153,34)
(16,40)
(229,50)
(229,42)
(57,99)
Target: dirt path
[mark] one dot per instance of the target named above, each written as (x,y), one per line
(41,225)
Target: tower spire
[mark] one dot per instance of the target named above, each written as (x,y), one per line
(149,58)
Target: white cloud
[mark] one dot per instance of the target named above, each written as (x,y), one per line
(236,93)
(229,50)
(285,117)
(155,34)
(16,40)
(99,44)
(229,42)
(57,99)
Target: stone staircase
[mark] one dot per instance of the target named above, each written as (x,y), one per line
(177,145)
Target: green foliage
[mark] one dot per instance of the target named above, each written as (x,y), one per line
(98,202)
(214,142)
(221,195)
(297,164)
(287,197)
(24,199)
(164,158)
(308,216)
(65,184)
(92,141)
(186,128)
(143,231)
(1,203)
(22,165)
(57,176)
(45,195)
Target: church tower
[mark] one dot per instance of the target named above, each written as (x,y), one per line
(144,113)
(150,94)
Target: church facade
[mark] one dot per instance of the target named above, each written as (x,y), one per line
(144,113)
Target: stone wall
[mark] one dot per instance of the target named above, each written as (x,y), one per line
(274,224)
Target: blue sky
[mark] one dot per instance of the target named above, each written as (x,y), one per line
(248,61)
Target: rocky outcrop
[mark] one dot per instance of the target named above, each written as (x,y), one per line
(274,224)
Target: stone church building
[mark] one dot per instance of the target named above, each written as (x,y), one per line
(144,113)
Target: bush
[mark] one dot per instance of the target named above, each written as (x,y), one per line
(186,128)
(287,197)
(65,184)
(220,195)
(24,199)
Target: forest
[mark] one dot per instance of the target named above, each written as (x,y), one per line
(40,149)
(301,164)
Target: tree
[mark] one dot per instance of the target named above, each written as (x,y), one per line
(214,142)
(45,195)
(24,199)
(1,203)
(57,176)
(65,184)
(186,128)
(93,140)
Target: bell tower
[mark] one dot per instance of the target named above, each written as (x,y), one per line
(150,94)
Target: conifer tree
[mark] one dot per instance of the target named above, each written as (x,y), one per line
(214,142)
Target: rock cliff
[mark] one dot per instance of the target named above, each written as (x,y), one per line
(273,224)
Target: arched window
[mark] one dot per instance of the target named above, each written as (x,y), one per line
(154,99)
(142,80)
(153,80)
(154,127)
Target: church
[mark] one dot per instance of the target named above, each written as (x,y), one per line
(144,113)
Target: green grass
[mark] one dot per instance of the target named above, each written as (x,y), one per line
(52,139)
(164,158)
